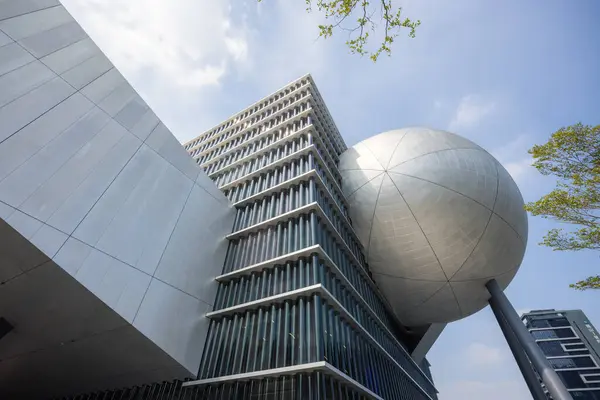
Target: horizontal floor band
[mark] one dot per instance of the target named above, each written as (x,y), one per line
(305,209)
(320,252)
(320,366)
(203,136)
(314,206)
(267,168)
(267,131)
(331,300)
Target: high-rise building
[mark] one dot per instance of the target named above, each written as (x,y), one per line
(295,295)
(572,346)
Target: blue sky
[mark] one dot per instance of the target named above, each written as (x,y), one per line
(505,75)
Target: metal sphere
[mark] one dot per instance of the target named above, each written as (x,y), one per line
(438,217)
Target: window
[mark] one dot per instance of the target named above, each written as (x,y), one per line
(555,322)
(539,323)
(572,379)
(573,362)
(591,378)
(574,346)
(552,349)
(581,395)
(553,334)
(562,363)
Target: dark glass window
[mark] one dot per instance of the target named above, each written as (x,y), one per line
(584,362)
(586,395)
(552,349)
(539,323)
(572,379)
(562,363)
(547,323)
(576,340)
(553,334)
(575,362)
(558,322)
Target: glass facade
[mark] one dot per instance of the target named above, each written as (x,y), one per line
(571,345)
(298,386)
(296,310)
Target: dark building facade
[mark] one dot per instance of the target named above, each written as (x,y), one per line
(572,346)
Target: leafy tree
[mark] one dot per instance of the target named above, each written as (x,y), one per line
(572,155)
(360,19)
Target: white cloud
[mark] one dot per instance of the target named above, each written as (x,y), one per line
(480,355)
(189,42)
(515,158)
(518,169)
(489,390)
(515,148)
(188,58)
(471,110)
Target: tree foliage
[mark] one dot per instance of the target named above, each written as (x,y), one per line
(572,155)
(360,18)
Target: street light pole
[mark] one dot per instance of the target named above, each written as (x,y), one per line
(525,366)
(500,303)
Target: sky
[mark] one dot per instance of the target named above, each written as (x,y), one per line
(505,75)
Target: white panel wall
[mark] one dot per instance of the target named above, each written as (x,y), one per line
(94,180)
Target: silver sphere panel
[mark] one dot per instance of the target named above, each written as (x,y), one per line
(438,217)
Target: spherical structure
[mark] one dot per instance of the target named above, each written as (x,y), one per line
(438,217)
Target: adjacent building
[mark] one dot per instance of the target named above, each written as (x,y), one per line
(572,346)
(295,295)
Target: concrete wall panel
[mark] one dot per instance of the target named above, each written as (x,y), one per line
(207,184)
(49,240)
(53,192)
(68,57)
(165,144)
(12,56)
(14,8)
(24,224)
(132,112)
(110,233)
(117,99)
(33,22)
(21,80)
(144,127)
(31,139)
(138,232)
(104,85)
(186,260)
(19,113)
(49,41)
(4,39)
(86,72)
(117,284)
(22,182)
(182,333)
(80,201)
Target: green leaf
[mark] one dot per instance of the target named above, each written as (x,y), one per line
(572,156)
(357,17)
(593,282)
